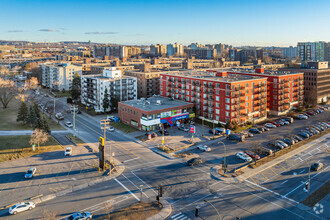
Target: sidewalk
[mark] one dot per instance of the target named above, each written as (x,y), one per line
(164,213)
(29,132)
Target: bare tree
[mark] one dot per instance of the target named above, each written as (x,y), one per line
(31,83)
(38,137)
(8,91)
(49,214)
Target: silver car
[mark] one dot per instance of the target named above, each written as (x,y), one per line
(21,207)
(30,173)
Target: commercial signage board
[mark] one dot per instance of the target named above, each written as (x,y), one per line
(192,129)
(165,114)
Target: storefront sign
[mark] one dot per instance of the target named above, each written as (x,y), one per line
(192,115)
(150,122)
(192,129)
(165,114)
(176,112)
(170,120)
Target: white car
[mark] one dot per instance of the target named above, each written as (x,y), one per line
(21,207)
(111,118)
(68,151)
(110,128)
(30,173)
(300,116)
(68,124)
(270,125)
(243,156)
(204,148)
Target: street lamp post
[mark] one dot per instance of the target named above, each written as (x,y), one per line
(105,125)
(224,158)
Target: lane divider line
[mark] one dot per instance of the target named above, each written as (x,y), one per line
(127,189)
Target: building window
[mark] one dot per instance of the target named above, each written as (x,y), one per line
(217,111)
(247,104)
(217,98)
(217,92)
(228,87)
(227,107)
(217,105)
(227,114)
(246,98)
(217,118)
(187,98)
(247,85)
(227,93)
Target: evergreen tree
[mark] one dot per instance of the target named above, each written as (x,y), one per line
(114,103)
(106,101)
(44,125)
(76,87)
(31,117)
(22,113)
(36,110)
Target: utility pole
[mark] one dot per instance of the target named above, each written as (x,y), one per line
(309,180)
(54,107)
(224,158)
(213,131)
(163,138)
(203,127)
(105,125)
(74,119)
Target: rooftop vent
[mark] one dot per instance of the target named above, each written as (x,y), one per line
(158,102)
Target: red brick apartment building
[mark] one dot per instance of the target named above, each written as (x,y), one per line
(218,96)
(285,89)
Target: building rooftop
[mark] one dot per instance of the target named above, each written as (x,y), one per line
(211,75)
(266,72)
(152,104)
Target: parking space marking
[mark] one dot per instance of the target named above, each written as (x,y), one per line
(70,169)
(284,182)
(253,180)
(273,171)
(264,175)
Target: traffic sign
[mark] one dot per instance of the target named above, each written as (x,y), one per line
(192,129)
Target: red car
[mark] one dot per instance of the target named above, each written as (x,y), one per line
(252,155)
(275,123)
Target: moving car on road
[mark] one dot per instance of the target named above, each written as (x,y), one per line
(110,128)
(183,128)
(194,161)
(165,132)
(215,132)
(30,173)
(204,148)
(317,166)
(21,207)
(68,151)
(68,124)
(80,215)
(243,156)
(220,130)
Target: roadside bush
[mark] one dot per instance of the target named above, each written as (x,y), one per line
(249,123)
(69,100)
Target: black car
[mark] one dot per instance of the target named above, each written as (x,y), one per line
(317,166)
(165,132)
(236,137)
(288,141)
(255,131)
(194,161)
(261,129)
(265,128)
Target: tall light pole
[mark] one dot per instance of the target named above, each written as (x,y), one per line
(74,119)
(54,106)
(224,158)
(214,208)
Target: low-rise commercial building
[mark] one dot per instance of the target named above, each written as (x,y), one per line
(149,114)
(119,87)
(59,76)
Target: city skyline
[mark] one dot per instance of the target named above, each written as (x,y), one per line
(152,22)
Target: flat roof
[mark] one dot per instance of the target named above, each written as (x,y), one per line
(150,104)
(266,73)
(205,75)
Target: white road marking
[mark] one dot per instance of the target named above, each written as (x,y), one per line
(127,189)
(284,182)
(305,182)
(135,185)
(302,171)
(179,217)
(125,161)
(195,201)
(271,202)
(271,191)
(176,215)
(144,182)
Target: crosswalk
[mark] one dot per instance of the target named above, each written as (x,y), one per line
(179,216)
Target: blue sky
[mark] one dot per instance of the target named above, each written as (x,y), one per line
(236,22)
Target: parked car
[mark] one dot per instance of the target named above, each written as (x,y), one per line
(183,128)
(317,166)
(215,132)
(194,161)
(252,155)
(299,138)
(110,128)
(265,151)
(285,122)
(265,128)
(288,119)
(153,134)
(255,131)
(68,124)
(275,144)
(288,141)
(282,143)
(246,134)
(80,215)
(59,116)
(204,148)
(220,130)
(111,118)
(301,117)
(308,132)
(275,123)
(236,137)
(21,207)
(243,156)
(30,173)
(270,125)
(165,132)
(261,129)
(68,151)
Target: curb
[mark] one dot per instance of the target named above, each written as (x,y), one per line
(214,173)
(164,213)
(120,170)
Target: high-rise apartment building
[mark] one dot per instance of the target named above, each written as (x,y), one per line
(312,51)
(290,52)
(316,81)
(217,96)
(120,87)
(327,52)
(175,49)
(116,51)
(59,76)
(158,50)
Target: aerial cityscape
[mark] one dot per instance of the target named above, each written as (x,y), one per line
(152,110)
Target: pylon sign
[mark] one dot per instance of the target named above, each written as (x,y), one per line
(101,153)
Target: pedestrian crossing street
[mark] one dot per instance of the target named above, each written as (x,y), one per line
(179,216)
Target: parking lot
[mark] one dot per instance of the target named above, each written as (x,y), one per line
(232,147)
(55,172)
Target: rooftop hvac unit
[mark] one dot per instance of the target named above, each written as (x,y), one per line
(158,102)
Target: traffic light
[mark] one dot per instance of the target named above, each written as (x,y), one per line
(306,186)
(196,212)
(161,191)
